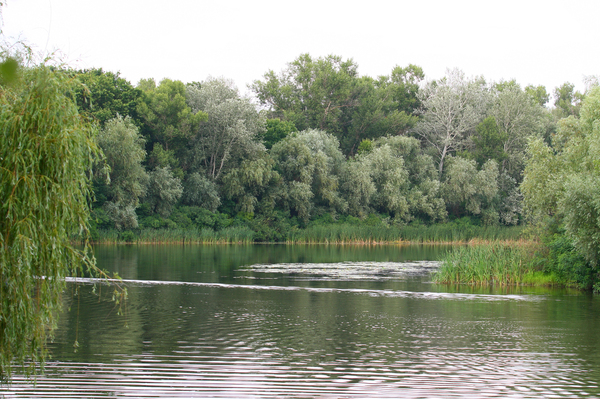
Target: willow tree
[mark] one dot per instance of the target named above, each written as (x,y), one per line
(46,156)
(563,181)
(123,148)
(310,163)
(451,109)
(232,131)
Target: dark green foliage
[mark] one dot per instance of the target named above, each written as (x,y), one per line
(161,157)
(8,70)
(567,101)
(567,263)
(328,94)
(277,130)
(105,95)
(539,94)
(121,175)
(202,217)
(404,86)
(488,143)
(127,236)
(561,184)
(166,117)
(46,155)
(164,190)
(253,185)
(198,190)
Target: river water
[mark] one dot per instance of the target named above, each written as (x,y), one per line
(276,321)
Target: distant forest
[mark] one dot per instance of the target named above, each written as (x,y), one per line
(319,143)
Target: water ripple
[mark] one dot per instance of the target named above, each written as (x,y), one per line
(369,292)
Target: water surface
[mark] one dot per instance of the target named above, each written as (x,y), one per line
(313,322)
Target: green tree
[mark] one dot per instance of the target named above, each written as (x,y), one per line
(328,94)
(251,184)
(105,95)
(562,181)
(404,85)
(232,131)
(380,111)
(488,143)
(357,186)
(200,191)
(451,109)
(46,158)
(390,179)
(167,118)
(567,101)
(164,190)
(123,148)
(467,190)
(518,118)
(310,163)
(310,93)
(538,94)
(423,195)
(276,131)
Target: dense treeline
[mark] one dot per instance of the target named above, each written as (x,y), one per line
(317,143)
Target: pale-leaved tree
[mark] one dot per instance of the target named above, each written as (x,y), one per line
(232,131)
(451,109)
(198,190)
(469,189)
(518,118)
(164,190)
(310,163)
(123,148)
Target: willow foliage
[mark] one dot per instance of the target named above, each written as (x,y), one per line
(46,158)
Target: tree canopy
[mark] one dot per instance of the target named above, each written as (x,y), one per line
(47,153)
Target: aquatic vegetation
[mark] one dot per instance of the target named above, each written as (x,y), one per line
(493,263)
(442,233)
(234,234)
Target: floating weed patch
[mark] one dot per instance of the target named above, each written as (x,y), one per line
(347,271)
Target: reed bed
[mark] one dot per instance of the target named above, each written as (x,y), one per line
(229,235)
(319,234)
(494,263)
(444,233)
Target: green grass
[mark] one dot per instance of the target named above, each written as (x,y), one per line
(441,233)
(492,263)
(540,278)
(241,235)
(334,233)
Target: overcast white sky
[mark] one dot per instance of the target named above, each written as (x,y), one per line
(535,42)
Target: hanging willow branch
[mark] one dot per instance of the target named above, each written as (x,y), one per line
(46,156)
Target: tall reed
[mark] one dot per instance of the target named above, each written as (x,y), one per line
(242,235)
(493,263)
(345,233)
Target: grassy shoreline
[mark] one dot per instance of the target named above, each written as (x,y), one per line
(501,264)
(319,234)
(485,256)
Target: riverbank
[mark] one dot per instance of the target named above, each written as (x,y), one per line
(448,233)
(522,262)
(496,263)
(485,255)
